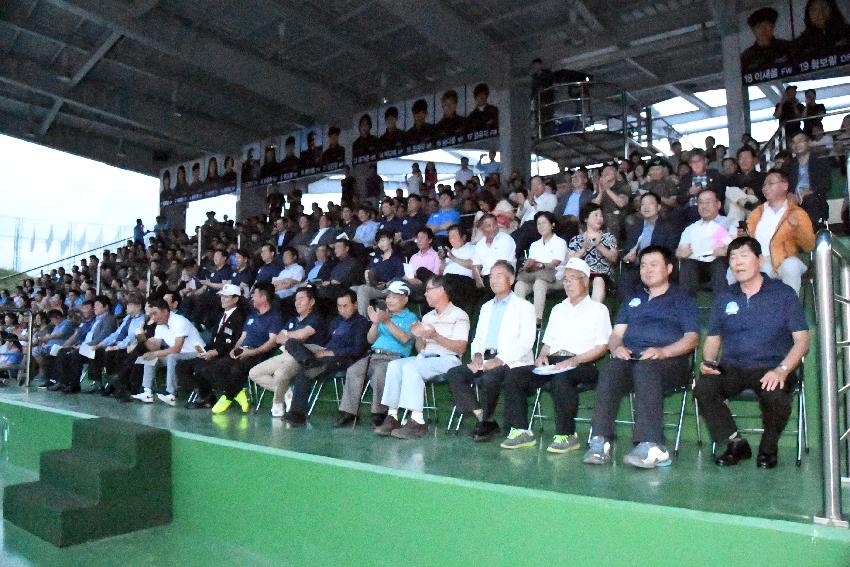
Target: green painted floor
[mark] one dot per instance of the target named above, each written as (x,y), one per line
(165,545)
(693,482)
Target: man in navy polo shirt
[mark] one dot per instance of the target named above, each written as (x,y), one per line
(346,342)
(228,373)
(442,219)
(763,330)
(271,265)
(656,330)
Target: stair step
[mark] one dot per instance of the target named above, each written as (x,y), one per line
(53,514)
(87,472)
(132,443)
(115,478)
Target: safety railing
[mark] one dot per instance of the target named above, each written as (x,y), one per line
(583,107)
(832,257)
(67,260)
(777,142)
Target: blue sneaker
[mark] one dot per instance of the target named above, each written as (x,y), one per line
(648,455)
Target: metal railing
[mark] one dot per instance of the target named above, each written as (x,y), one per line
(829,254)
(777,142)
(70,259)
(584,107)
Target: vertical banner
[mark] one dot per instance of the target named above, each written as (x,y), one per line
(420,120)
(450,112)
(333,156)
(366,146)
(482,120)
(290,164)
(310,158)
(392,124)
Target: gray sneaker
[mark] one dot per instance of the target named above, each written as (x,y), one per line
(518,438)
(410,430)
(599,451)
(648,455)
(564,444)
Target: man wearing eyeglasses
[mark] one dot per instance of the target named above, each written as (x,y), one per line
(441,340)
(783,229)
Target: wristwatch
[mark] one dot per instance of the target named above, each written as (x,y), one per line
(784,368)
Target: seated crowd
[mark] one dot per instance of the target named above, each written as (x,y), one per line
(406,294)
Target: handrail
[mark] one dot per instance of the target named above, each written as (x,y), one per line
(827,252)
(776,141)
(72,256)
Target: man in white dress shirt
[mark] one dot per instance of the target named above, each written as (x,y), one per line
(702,247)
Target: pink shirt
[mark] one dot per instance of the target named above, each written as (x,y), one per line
(429,260)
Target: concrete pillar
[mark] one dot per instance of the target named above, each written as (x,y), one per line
(514,129)
(737,99)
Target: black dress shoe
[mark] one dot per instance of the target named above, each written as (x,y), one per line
(55,387)
(70,389)
(108,391)
(344,419)
(295,419)
(736,450)
(378,419)
(485,430)
(767,460)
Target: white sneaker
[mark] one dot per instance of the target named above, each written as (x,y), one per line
(287,399)
(145,397)
(277,410)
(648,455)
(167,398)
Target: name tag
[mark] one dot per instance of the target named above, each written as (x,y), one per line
(228,331)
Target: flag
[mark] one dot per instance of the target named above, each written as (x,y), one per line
(81,243)
(66,242)
(49,242)
(32,241)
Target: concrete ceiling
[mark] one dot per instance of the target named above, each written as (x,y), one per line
(144,83)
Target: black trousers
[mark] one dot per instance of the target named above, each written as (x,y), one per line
(521,383)
(70,365)
(650,380)
(192,372)
(319,369)
(129,376)
(463,292)
(690,272)
(461,378)
(712,391)
(524,236)
(113,360)
(228,375)
(97,365)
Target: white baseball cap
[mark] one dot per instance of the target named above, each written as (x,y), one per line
(398,287)
(576,264)
(230,289)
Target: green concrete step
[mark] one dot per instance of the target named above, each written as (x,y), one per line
(115,478)
(53,514)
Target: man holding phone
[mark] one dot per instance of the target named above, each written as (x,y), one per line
(760,323)
(656,330)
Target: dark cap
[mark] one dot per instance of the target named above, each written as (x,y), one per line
(658,160)
(762,15)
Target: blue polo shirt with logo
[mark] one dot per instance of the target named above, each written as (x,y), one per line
(756,330)
(659,321)
(258,327)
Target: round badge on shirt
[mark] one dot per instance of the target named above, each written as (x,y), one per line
(732,308)
(250,321)
(635,302)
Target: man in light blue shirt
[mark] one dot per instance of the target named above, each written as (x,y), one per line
(391,340)
(365,233)
(111,350)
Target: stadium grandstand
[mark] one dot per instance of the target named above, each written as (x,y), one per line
(547,282)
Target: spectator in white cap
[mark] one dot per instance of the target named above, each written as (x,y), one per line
(575,338)
(391,339)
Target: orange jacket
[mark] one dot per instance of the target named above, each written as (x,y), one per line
(788,240)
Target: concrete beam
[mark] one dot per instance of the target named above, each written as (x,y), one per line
(459,39)
(127,108)
(171,35)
